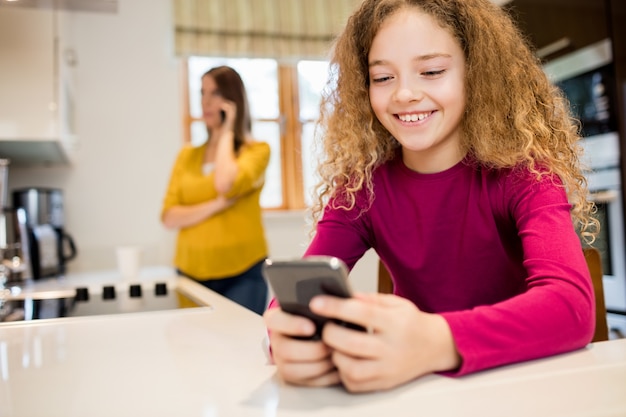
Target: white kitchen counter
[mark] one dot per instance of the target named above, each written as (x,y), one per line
(210,361)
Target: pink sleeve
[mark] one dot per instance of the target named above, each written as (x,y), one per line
(555,313)
(273,303)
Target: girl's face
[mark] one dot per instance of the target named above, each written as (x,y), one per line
(212,101)
(416,71)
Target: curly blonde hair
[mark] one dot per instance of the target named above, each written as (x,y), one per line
(513,117)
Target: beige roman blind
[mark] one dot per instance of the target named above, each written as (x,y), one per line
(283,29)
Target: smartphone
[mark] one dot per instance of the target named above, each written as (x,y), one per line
(296,282)
(223,115)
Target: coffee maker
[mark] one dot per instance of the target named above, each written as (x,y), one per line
(50,246)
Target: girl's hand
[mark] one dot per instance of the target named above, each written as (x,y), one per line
(404,343)
(299,362)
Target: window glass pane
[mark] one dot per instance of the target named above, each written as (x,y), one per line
(272,194)
(309,162)
(261,79)
(196,67)
(198,133)
(312,77)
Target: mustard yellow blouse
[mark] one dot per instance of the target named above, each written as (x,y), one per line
(233,240)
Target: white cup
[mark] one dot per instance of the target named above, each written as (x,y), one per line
(129,260)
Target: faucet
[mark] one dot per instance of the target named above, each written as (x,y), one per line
(9,268)
(5,306)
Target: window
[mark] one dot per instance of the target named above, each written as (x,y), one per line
(284,101)
(312,76)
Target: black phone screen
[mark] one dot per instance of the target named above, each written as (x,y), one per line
(296,282)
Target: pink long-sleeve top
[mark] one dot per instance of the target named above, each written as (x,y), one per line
(494,251)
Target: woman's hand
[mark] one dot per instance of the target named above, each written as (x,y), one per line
(299,362)
(222,203)
(404,342)
(230,112)
(180,216)
(225,158)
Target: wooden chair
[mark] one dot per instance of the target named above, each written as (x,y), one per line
(594,262)
(592,256)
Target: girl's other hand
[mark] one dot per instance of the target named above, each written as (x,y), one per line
(404,343)
(299,362)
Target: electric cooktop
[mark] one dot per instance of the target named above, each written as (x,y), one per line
(110,299)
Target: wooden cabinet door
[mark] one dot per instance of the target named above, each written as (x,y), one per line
(566,24)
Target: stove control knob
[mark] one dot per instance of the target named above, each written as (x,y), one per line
(135,291)
(160,289)
(82,294)
(108,292)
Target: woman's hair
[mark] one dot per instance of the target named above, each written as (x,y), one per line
(513,117)
(231,87)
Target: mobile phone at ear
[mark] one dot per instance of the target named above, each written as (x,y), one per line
(296,282)
(223,115)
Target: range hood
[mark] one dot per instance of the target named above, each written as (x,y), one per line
(35,152)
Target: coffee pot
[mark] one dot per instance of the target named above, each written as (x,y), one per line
(51,247)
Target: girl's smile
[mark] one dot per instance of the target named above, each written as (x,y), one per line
(413,117)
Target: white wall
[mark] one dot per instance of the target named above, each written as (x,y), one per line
(128,107)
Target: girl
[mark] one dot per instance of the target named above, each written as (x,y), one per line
(450,153)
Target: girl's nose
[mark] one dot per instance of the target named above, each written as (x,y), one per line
(407,92)
(404,94)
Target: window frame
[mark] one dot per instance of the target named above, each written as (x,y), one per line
(290,132)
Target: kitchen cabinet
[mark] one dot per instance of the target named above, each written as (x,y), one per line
(558,27)
(36,87)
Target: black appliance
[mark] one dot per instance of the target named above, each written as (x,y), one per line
(50,246)
(587,78)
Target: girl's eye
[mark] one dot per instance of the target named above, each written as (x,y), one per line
(433,73)
(377,80)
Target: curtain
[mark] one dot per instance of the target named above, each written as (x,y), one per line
(281,29)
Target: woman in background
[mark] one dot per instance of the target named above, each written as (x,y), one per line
(213,197)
